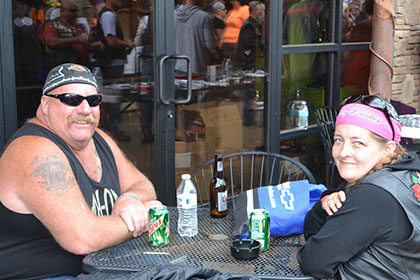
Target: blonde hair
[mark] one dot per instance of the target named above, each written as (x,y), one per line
(345,7)
(389,159)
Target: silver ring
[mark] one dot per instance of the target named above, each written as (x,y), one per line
(329,200)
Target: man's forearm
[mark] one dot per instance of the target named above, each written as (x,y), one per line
(61,42)
(114,42)
(142,189)
(111,230)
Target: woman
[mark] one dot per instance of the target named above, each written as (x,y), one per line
(234,20)
(371,228)
(218,10)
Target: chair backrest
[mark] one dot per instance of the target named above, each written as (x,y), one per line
(248,170)
(325,118)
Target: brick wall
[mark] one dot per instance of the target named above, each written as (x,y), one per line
(406,57)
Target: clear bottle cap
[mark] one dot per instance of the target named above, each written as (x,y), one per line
(185,176)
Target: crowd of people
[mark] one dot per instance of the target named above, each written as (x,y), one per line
(209,33)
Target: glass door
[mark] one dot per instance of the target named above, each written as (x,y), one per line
(229,73)
(199,85)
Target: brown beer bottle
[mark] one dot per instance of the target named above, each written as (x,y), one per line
(218,191)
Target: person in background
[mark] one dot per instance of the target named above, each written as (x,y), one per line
(356,64)
(250,37)
(66,189)
(144,39)
(112,60)
(98,5)
(144,50)
(65,40)
(234,20)
(348,22)
(306,22)
(218,10)
(194,36)
(369,228)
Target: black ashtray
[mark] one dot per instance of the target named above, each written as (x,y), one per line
(245,249)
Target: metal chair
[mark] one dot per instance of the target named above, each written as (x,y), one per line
(248,170)
(325,118)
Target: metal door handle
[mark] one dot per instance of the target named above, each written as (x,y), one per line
(163,99)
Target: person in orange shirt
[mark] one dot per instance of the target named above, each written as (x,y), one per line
(234,20)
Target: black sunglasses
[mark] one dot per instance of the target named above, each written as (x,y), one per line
(377,103)
(73,99)
(73,11)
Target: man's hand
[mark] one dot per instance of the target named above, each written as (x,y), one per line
(331,203)
(129,45)
(134,213)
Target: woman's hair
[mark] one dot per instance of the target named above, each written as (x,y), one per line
(391,158)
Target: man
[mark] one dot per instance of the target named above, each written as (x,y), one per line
(144,50)
(194,36)
(113,57)
(306,22)
(65,40)
(66,189)
(250,37)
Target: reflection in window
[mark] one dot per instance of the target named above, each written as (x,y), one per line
(356,64)
(309,79)
(305,22)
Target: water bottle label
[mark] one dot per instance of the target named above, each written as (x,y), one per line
(303,114)
(222,201)
(187,200)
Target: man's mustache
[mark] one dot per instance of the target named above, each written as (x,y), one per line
(82,118)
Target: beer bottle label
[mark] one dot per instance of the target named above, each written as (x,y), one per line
(219,166)
(222,201)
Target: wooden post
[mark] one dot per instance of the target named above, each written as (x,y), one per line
(381,48)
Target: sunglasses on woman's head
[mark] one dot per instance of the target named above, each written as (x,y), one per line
(73,99)
(377,103)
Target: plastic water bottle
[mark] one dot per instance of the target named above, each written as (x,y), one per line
(186,195)
(99,77)
(228,68)
(298,112)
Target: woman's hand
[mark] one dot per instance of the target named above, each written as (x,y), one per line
(332,202)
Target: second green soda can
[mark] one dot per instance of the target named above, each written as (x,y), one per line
(259,227)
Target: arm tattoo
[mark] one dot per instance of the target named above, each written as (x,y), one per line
(55,175)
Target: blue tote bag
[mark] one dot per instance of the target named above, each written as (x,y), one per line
(286,203)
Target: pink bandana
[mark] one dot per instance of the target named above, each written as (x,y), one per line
(369,118)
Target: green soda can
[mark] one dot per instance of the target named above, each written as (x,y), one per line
(259,227)
(159,225)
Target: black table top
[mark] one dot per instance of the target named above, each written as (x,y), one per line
(278,262)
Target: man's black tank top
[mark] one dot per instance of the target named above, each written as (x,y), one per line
(27,249)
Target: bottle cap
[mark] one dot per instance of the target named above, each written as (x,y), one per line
(185,176)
